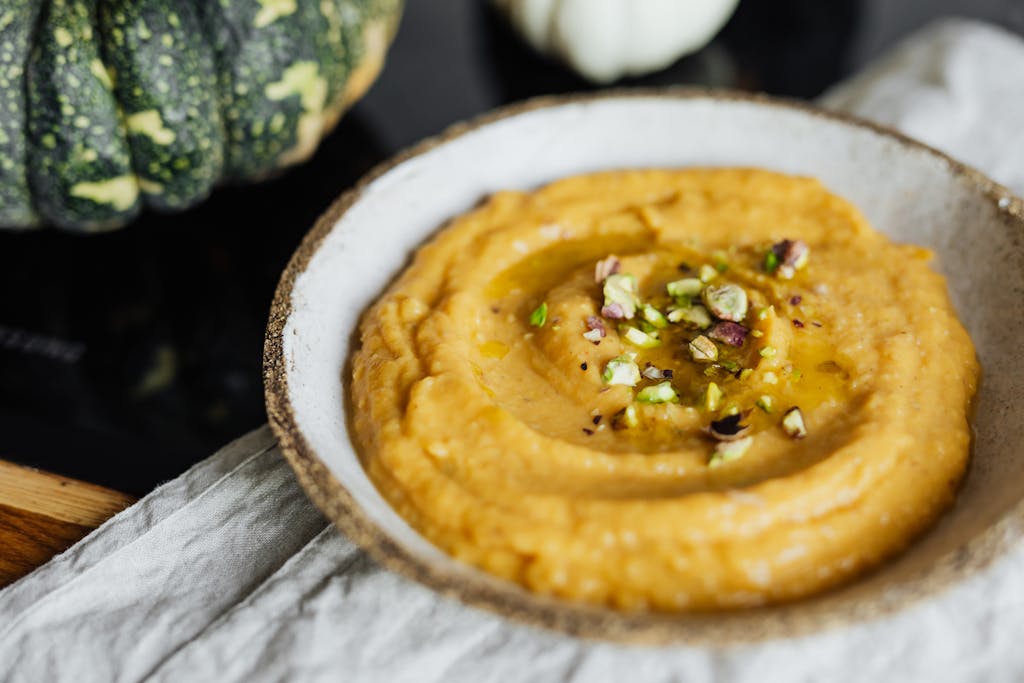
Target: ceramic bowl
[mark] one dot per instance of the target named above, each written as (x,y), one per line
(907,190)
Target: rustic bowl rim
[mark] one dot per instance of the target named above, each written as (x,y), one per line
(509,600)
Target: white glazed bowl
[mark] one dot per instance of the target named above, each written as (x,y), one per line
(908,191)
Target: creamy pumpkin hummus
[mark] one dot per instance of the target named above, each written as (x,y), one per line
(666,389)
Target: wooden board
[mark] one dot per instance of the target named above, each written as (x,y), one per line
(42,514)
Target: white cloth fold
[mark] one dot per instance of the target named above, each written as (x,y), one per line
(228,573)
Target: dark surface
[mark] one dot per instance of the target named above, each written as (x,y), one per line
(126,357)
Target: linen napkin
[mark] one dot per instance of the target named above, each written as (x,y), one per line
(229,573)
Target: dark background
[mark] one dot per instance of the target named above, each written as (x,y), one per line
(126,357)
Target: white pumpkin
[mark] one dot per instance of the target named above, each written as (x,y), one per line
(604,40)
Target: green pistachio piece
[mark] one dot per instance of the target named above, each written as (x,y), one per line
(695,315)
(730,450)
(764,403)
(768,352)
(622,290)
(539,315)
(712,397)
(721,260)
(659,393)
(640,338)
(653,316)
(703,350)
(726,302)
(621,370)
(684,289)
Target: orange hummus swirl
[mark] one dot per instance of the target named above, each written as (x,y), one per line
(498,439)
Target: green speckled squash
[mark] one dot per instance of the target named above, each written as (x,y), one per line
(110,106)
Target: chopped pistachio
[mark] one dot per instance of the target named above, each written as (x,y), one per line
(757,334)
(791,256)
(640,338)
(625,418)
(595,324)
(796,374)
(712,397)
(593,336)
(793,423)
(771,378)
(621,370)
(745,373)
(707,273)
(721,260)
(621,290)
(797,254)
(764,403)
(653,316)
(763,313)
(606,267)
(685,288)
(771,261)
(728,428)
(613,311)
(652,372)
(731,409)
(727,302)
(539,315)
(730,365)
(730,450)
(659,393)
(703,350)
(729,333)
(695,315)
(767,352)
